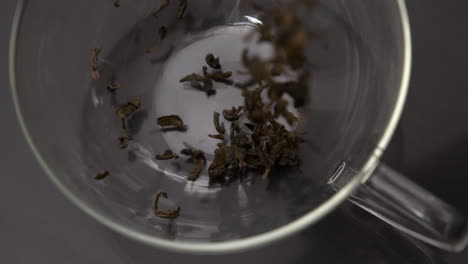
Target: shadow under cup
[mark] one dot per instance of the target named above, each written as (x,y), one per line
(70,120)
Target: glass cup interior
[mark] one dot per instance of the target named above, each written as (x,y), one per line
(358,56)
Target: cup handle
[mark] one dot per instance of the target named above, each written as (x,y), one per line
(400,202)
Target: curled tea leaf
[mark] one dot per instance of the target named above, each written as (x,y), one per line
(103,175)
(127,110)
(212,61)
(167,155)
(169,214)
(219,164)
(187,152)
(95,63)
(198,159)
(170,121)
(232,114)
(200,82)
(197,169)
(123,141)
(220,128)
(281,108)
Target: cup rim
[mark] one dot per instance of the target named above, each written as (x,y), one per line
(244,243)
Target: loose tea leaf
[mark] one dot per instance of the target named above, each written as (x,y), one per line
(182,9)
(200,82)
(220,128)
(187,152)
(95,64)
(162,32)
(168,154)
(169,214)
(219,164)
(212,61)
(198,159)
(117,3)
(114,86)
(161,7)
(170,121)
(232,114)
(281,109)
(123,141)
(101,176)
(220,137)
(218,76)
(127,110)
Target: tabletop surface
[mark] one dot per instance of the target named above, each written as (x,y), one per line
(39,225)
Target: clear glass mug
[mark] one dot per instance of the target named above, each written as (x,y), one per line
(362,69)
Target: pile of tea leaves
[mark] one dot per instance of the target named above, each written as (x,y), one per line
(255,137)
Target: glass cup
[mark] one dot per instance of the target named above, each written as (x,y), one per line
(360,57)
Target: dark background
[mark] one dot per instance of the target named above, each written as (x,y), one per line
(38,225)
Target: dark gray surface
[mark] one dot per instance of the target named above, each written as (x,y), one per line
(38,225)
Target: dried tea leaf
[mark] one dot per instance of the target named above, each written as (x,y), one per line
(170,120)
(198,159)
(182,9)
(95,64)
(220,137)
(212,61)
(258,69)
(168,154)
(281,109)
(197,169)
(187,152)
(113,86)
(200,82)
(169,214)
(103,175)
(219,127)
(117,3)
(219,164)
(123,141)
(161,7)
(218,76)
(127,110)
(232,114)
